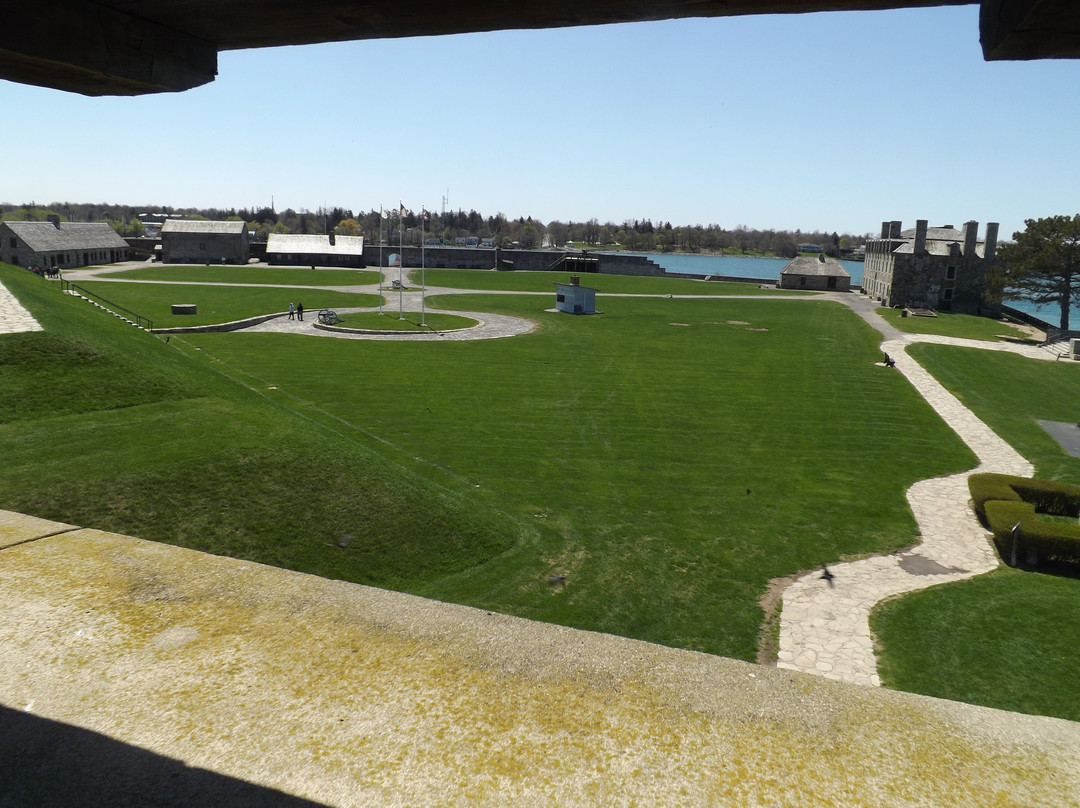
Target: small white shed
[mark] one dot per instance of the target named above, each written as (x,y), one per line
(573,298)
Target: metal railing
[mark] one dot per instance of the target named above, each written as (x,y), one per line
(115,308)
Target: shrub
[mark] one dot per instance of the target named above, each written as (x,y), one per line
(1002,501)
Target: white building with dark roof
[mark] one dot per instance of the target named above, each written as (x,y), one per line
(284,249)
(60,244)
(932,267)
(190,241)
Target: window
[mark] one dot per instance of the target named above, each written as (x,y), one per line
(950,273)
(948,294)
(832,283)
(14,242)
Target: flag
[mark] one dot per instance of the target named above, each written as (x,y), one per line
(403,212)
(425,215)
(385,214)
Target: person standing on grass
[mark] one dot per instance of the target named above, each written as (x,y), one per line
(299,311)
(292,312)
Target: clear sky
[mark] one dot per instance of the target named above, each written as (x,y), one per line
(833,121)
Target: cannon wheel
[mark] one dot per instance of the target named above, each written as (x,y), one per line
(328,317)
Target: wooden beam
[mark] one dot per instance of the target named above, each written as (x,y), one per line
(87,48)
(1030,29)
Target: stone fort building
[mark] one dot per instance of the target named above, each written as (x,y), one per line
(932,267)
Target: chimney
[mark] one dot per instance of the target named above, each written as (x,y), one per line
(894,229)
(332,242)
(990,248)
(884,229)
(55,220)
(575,280)
(971,236)
(920,236)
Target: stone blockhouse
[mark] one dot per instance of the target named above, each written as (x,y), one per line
(283,249)
(820,274)
(573,298)
(932,267)
(186,241)
(60,244)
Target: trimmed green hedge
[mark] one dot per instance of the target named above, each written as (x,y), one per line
(1002,500)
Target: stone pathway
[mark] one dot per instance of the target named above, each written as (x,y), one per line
(824,624)
(14,319)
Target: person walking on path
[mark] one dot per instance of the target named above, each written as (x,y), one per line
(292,312)
(300,311)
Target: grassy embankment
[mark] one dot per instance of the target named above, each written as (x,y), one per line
(1007,639)
(961,326)
(107,426)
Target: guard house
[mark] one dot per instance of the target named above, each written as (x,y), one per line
(188,241)
(60,244)
(573,298)
(284,249)
(820,274)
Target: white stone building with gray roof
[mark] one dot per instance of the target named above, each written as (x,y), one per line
(192,241)
(938,268)
(60,244)
(312,250)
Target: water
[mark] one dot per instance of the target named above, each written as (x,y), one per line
(743,266)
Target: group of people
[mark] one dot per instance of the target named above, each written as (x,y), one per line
(296,312)
(52,272)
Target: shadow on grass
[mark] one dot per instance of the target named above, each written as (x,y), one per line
(47,763)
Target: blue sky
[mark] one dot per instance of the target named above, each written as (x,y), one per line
(832,121)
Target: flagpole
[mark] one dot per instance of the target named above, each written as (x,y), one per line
(401,259)
(380,259)
(423,286)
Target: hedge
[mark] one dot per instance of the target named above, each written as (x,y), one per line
(1002,500)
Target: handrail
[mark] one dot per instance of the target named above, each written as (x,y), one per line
(138,319)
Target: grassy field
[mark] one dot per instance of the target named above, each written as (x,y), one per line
(489,279)
(963,326)
(1007,639)
(261,275)
(216,304)
(107,426)
(674,455)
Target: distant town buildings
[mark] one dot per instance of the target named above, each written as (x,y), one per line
(931,267)
(190,241)
(820,274)
(60,244)
(283,249)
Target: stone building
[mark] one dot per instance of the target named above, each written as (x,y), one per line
(932,267)
(187,241)
(60,244)
(820,274)
(283,249)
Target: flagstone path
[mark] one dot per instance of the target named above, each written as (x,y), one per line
(14,318)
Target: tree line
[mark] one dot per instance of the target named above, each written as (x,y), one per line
(390,226)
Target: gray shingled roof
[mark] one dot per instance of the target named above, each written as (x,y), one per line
(196,226)
(812,266)
(47,237)
(289,244)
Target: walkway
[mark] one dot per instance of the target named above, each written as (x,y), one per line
(14,319)
(824,624)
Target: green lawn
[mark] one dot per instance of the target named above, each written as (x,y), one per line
(489,279)
(963,326)
(674,455)
(268,276)
(433,321)
(216,304)
(1007,639)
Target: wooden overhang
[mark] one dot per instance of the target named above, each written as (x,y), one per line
(131,47)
